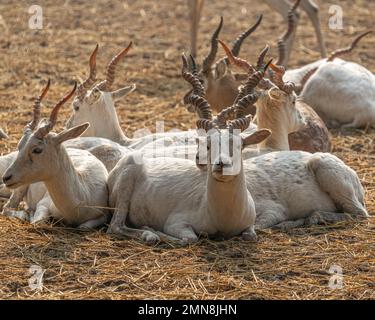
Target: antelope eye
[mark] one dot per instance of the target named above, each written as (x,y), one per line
(75,106)
(37,150)
(95,94)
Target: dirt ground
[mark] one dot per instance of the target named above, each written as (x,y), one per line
(79,265)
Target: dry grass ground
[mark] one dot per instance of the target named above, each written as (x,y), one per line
(92,265)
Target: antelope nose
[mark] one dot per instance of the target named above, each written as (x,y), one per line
(7,178)
(218,166)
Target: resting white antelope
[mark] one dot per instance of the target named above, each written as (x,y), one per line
(327,85)
(294,188)
(179,201)
(75,179)
(35,195)
(96,104)
(343,94)
(281,6)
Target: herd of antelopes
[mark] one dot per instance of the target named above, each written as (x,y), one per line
(180,185)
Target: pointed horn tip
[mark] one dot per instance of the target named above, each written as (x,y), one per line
(74,86)
(275,67)
(224,45)
(45,89)
(366,33)
(184,60)
(192,60)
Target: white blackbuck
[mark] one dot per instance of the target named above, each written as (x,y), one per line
(176,201)
(327,84)
(294,188)
(75,179)
(95,103)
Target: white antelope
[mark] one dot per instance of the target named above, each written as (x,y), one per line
(179,201)
(295,188)
(75,179)
(288,188)
(96,104)
(343,94)
(327,85)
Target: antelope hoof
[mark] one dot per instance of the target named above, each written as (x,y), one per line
(21,215)
(249,236)
(150,238)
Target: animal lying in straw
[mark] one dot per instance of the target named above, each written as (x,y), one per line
(75,179)
(295,188)
(343,94)
(96,104)
(176,201)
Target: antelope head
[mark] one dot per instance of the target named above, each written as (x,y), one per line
(220,142)
(39,148)
(219,82)
(95,103)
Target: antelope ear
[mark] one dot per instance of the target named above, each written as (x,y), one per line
(221,69)
(256,137)
(71,133)
(118,94)
(276,93)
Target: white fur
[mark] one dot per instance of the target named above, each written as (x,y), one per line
(98,108)
(75,180)
(177,199)
(342,93)
(286,185)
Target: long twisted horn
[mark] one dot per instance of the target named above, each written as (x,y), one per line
(236,47)
(285,37)
(287,87)
(243,104)
(204,124)
(241,123)
(44,130)
(191,77)
(342,51)
(88,83)
(201,105)
(110,78)
(252,82)
(210,58)
(260,62)
(232,59)
(36,109)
